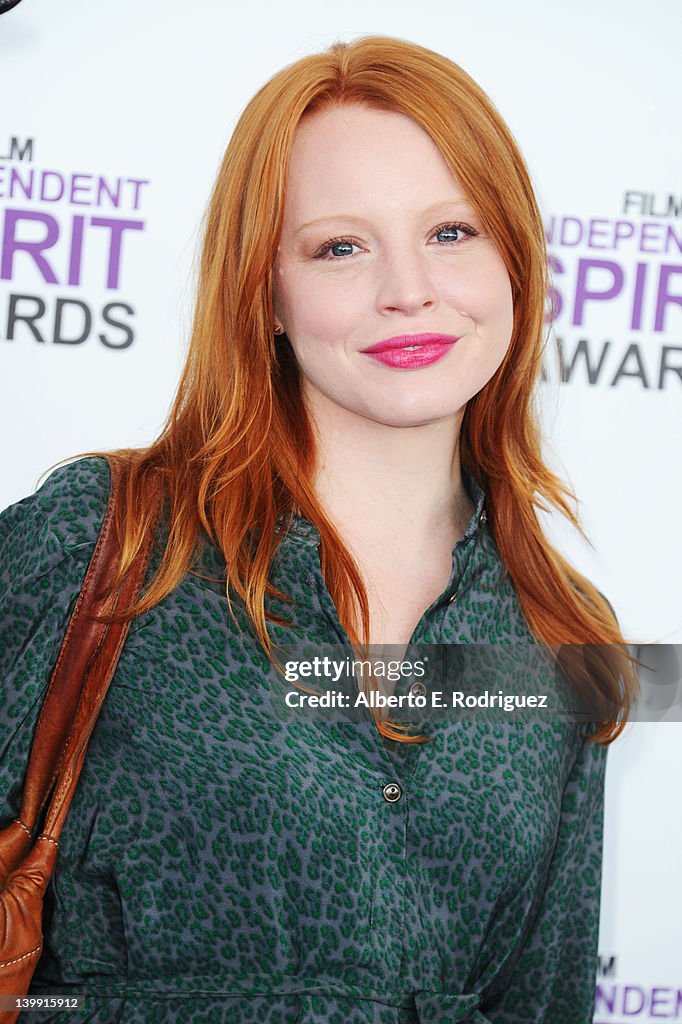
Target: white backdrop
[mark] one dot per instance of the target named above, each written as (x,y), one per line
(121,114)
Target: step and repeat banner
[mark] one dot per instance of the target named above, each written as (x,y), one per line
(112,126)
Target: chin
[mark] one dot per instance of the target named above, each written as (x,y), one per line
(413,417)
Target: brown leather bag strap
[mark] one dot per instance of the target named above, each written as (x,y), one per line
(85,666)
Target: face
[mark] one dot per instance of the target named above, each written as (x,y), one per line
(380,244)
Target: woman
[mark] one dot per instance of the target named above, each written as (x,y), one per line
(351,459)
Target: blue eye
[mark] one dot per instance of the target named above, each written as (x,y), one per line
(456,228)
(347,248)
(334,243)
(449,229)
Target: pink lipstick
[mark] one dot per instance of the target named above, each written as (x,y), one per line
(410,351)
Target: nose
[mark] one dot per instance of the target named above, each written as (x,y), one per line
(405,282)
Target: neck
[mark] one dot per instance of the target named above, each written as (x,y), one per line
(394,485)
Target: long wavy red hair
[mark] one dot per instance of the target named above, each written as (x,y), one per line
(237,449)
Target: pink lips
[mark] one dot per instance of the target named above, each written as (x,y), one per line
(410,351)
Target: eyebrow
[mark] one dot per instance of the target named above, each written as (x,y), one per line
(441,204)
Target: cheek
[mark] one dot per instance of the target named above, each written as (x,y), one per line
(483,294)
(319,316)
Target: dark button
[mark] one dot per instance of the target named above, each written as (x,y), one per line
(418,690)
(392,792)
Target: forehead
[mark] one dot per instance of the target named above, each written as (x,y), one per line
(367,156)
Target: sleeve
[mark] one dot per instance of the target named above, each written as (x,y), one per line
(46,541)
(553,980)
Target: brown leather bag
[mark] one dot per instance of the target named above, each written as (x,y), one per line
(85,666)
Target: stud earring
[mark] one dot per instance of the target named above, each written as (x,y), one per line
(279,329)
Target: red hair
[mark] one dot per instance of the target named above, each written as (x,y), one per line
(237,449)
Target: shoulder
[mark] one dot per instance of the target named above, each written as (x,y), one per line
(62,518)
(69,506)
(74,498)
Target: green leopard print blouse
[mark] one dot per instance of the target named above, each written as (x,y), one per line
(224,862)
